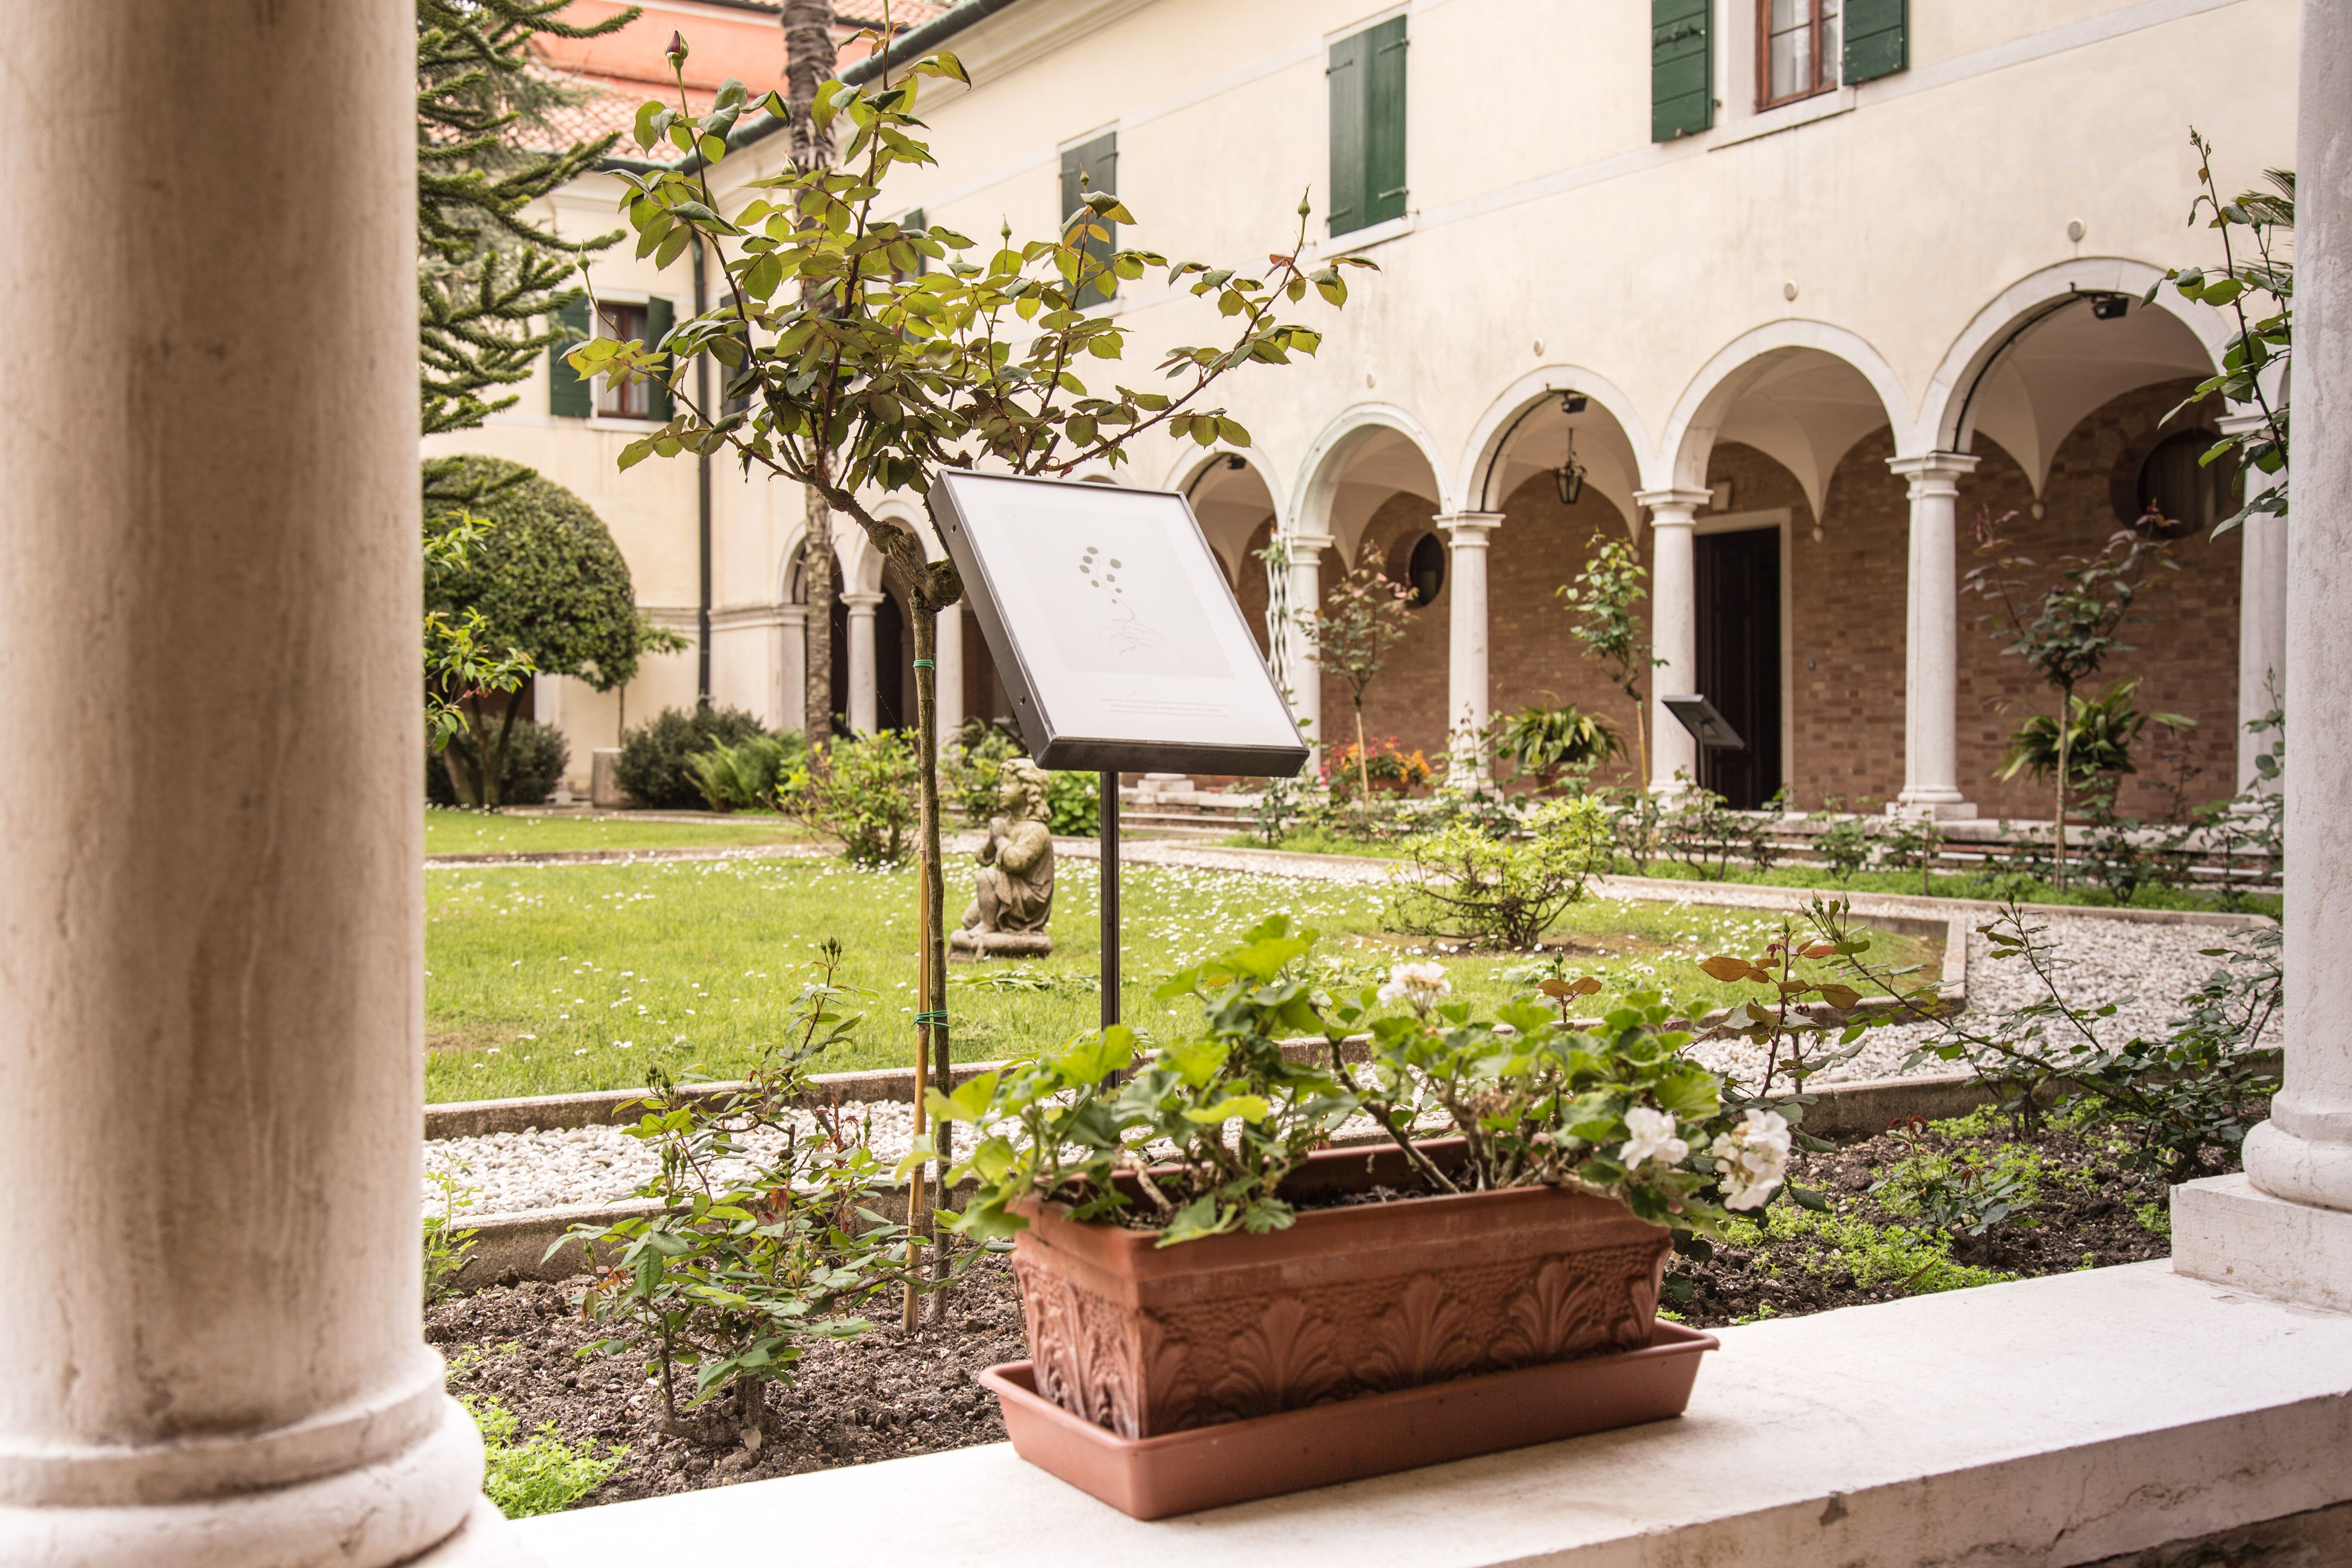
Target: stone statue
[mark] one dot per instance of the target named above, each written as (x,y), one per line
(1014,893)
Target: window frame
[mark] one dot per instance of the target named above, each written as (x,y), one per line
(1830,64)
(609,388)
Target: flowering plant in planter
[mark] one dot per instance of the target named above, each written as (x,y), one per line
(1196,1138)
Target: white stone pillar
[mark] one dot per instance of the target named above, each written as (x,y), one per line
(211,932)
(1931,641)
(2261,616)
(2284,1228)
(1674,630)
(949,672)
(1467,693)
(862,607)
(787,657)
(1306,609)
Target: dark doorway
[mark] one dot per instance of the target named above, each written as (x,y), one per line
(1739,659)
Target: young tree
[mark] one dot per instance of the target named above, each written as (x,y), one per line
(486,272)
(540,576)
(1364,616)
(875,376)
(2254,360)
(1601,599)
(2067,633)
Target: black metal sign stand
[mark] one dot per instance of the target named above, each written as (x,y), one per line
(1109,815)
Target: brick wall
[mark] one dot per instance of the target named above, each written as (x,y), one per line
(1847,596)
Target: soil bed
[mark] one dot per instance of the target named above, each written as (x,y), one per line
(885,1396)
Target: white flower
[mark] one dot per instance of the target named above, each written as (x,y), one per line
(1420,984)
(1654,1138)
(1752,1157)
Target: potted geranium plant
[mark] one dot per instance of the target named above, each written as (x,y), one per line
(1221,1304)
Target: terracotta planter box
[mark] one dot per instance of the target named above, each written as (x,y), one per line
(1350,1302)
(1235,1461)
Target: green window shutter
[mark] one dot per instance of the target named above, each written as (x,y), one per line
(568,392)
(1347,74)
(1384,188)
(661,316)
(1093,166)
(1877,39)
(1682,67)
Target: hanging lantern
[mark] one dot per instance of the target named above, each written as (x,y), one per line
(1570,475)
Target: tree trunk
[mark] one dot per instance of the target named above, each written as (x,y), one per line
(808,62)
(932,1036)
(1363,768)
(816,578)
(2065,708)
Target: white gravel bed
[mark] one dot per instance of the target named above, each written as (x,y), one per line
(2144,968)
(587,1167)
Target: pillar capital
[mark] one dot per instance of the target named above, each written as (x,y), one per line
(1672,508)
(1935,473)
(1309,544)
(1468,530)
(863,602)
(2240,424)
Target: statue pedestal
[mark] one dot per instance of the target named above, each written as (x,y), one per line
(968,945)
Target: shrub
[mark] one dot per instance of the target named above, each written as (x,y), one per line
(1506,892)
(655,767)
(746,775)
(1073,802)
(1382,761)
(757,1248)
(533,765)
(862,791)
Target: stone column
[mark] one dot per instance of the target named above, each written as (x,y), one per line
(1307,606)
(2261,616)
(212,933)
(1674,630)
(950,671)
(2284,1227)
(1931,641)
(1467,689)
(787,648)
(862,607)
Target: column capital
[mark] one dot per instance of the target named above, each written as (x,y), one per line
(1468,530)
(862,602)
(2240,424)
(1671,507)
(1312,544)
(1935,473)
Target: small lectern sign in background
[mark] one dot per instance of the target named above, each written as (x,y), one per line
(1118,639)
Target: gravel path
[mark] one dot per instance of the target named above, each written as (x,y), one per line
(2144,968)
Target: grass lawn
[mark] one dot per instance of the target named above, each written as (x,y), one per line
(548,979)
(1942,884)
(453,832)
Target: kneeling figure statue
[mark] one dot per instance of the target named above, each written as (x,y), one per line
(1014,894)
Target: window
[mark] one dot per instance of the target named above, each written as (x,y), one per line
(1800,45)
(1366,77)
(1092,166)
(648,323)
(2178,493)
(1424,570)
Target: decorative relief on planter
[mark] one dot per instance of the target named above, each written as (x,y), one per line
(1233,1342)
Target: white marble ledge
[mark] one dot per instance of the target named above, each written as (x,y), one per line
(2054,1421)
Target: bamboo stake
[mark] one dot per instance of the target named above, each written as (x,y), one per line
(922,1082)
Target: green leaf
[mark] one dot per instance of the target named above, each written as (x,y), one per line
(1252,1108)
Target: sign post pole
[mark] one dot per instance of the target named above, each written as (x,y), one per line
(1109,815)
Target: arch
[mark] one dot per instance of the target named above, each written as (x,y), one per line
(1679,461)
(1309,512)
(1489,437)
(1945,407)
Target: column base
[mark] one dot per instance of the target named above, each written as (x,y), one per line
(1938,809)
(372,1515)
(484,1541)
(2227,1230)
